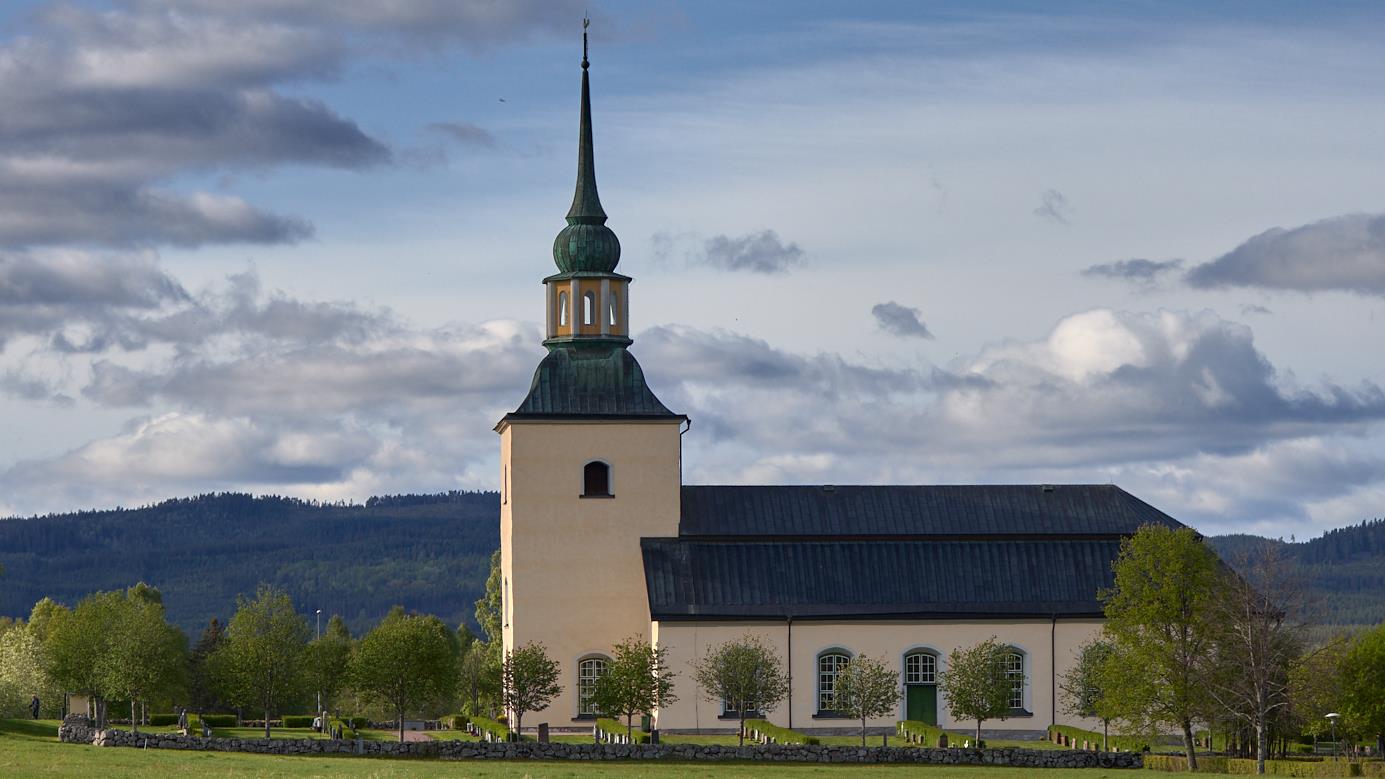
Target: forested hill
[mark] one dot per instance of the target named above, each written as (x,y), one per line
(425,552)
(1344,570)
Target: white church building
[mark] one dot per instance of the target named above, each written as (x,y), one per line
(601,540)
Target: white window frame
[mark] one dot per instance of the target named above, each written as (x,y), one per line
(586,681)
(825,692)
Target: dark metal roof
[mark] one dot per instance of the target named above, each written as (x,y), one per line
(965,511)
(598,380)
(692,579)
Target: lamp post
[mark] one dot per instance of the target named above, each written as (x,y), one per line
(318,635)
(1336,747)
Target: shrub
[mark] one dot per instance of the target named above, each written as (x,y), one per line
(763,730)
(1118,743)
(219,720)
(454,721)
(921,733)
(612,731)
(357,723)
(347,732)
(1178,763)
(498,730)
(298,721)
(161,720)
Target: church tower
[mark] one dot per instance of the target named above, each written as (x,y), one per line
(590,461)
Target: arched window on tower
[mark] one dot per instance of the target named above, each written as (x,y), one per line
(589,308)
(611,306)
(589,672)
(596,480)
(562,309)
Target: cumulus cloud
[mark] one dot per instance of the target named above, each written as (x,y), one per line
(1345,253)
(1144,273)
(1054,206)
(106,108)
(1251,308)
(264,391)
(900,320)
(761,252)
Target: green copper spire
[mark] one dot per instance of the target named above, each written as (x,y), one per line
(586,244)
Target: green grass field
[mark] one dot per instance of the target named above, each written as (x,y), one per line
(30,750)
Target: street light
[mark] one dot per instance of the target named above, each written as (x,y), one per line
(318,635)
(1336,747)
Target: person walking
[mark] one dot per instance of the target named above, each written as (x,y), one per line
(34,707)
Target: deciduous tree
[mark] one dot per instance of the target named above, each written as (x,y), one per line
(261,662)
(1363,683)
(976,683)
(528,682)
(1084,687)
(144,655)
(408,660)
(746,675)
(637,681)
(77,640)
(867,688)
(1161,617)
(327,660)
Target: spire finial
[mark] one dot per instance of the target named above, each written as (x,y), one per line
(586,22)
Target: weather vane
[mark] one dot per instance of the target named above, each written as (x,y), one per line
(586,22)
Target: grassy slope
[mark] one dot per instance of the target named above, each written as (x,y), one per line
(30,751)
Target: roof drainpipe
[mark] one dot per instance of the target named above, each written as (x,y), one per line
(1053,672)
(788,623)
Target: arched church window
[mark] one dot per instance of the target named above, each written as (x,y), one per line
(920,668)
(614,299)
(562,308)
(1014,671)
(589,308)
(589,672)
(596,480)
(830,665)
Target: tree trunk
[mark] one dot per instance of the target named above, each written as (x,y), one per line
(266,722)
(1261,746)
(401,724)
(978,734)
(1106,735)
(134,720)
(863,730)
(1189,748)
(519,726)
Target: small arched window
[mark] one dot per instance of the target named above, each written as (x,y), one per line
(1014,671)
(830,665)
(589,308)
(920,668)
(596,480)
(562,308)
(611,308)
(589,672)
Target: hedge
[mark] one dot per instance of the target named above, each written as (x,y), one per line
(921,733)
(498,731)
(1244,766)
(454,721)
(298,720)
(218,720)
(347,732)
(161,720)
(613,732)
(774,734)
(1118,743)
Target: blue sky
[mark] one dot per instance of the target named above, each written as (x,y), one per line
(288,246)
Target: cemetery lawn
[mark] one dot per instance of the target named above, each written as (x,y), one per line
(30,750)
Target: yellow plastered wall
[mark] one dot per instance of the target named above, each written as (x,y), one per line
(1044,643)
(572,568)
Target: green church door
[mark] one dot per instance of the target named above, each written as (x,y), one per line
(922,703)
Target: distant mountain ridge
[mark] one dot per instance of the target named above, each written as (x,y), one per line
(430,553)
(425,552)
